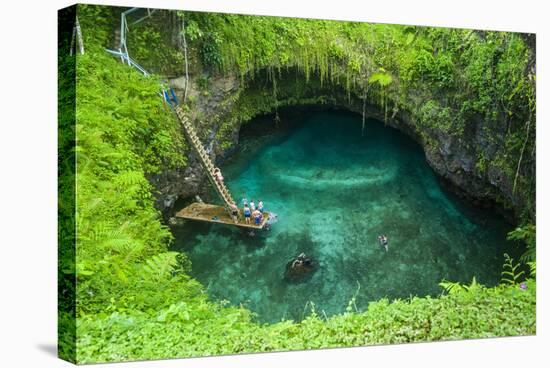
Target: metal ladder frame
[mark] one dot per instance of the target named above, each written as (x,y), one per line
(206,162)
(122,52)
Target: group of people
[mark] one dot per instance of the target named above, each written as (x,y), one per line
(251,211)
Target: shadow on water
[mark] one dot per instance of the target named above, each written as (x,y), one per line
(334,192)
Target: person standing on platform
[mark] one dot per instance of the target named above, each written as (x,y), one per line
(247,213)
(257,217)
(235,213)
(261,206)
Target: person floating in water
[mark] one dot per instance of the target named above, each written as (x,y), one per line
(301,260)
(300,267)
(218,174)
(383,241)
(305,259)
(247,213)
(261,206)
(297,263)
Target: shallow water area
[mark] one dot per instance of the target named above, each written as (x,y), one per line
(334,192)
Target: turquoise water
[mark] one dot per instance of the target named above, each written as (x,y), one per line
(334,192)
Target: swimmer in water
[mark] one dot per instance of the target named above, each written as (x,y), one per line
(383,241)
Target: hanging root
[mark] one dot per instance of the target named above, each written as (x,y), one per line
(521,157)
(364,103)
(365,91)
(276,103)
(185,56)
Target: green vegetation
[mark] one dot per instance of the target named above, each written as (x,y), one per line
(66,283)
(124,131)
(446,80)
(184,329)
(151,41)
(511,274)
(136,300)
(527,235)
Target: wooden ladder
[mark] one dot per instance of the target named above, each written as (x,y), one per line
(206,162)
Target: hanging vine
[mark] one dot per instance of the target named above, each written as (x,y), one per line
(383,80)
(184,40)
(276,101)
(365,91)
(532,106)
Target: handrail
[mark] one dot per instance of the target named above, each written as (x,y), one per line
(123,49)
(129,61)
(205,160)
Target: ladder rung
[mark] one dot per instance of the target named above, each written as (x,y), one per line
(222,190)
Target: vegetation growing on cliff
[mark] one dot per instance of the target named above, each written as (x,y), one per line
(136,300)
(453,81)
(449,80)
(123,133)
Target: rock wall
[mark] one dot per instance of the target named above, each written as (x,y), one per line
(209,106)
(474,163)
(215,105)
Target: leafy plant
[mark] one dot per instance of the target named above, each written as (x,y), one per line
(532,268)
(451,287)
(381,78)
(527,235)
(456,287)
(510,275)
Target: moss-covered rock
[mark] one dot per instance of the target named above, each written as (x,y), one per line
(466,96)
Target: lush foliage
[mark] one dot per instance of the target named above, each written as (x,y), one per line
(150,42)
(451,81)
(527,235)
(124,131)
(512,273)
(66,189)
(183,329)
(135,299)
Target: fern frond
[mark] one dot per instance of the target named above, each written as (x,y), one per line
(509,273)
(532,268)
(451,287)
(161,265)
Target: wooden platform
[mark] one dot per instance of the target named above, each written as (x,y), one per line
(217,214)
